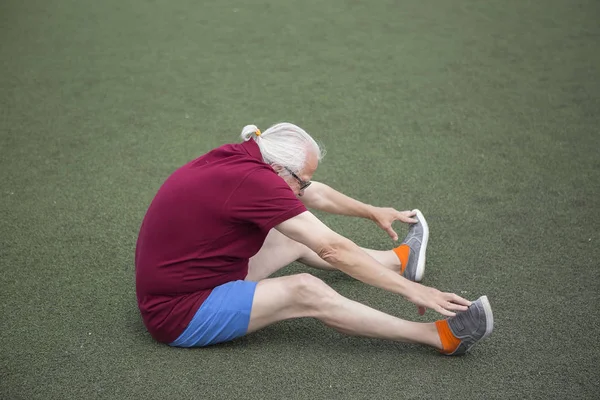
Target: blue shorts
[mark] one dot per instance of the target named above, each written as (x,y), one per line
(223,316)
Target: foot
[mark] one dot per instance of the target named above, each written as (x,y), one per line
(466,328)
(413,266)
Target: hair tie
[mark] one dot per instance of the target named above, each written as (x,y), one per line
(257,132)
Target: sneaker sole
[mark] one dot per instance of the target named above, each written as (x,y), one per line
(421,264)
(489,317)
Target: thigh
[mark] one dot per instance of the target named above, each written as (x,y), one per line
(223,316)
(277,251)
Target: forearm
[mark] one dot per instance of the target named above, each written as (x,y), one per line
(352,260)
(324,198)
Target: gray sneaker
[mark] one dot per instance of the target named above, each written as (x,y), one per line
(472,325)
(417,238)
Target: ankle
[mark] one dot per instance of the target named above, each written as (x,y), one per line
(401,254)
(392,261)
(449,342)
(434,334)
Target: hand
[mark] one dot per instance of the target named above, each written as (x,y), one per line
(444,303)
(385,216)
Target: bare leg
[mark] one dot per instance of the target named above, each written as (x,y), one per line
(279,251)
(386,258)
(304,295)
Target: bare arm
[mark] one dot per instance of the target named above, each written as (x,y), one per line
(346,256)
(324,198)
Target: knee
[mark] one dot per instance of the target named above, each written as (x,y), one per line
(311,291)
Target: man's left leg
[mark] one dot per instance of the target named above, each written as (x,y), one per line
(279,251)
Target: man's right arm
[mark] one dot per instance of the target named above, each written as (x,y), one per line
(346,256)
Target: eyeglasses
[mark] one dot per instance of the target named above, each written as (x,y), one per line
(303,184)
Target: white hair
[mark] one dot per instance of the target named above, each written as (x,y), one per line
(284,144)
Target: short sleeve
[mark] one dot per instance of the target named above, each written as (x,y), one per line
(264,199)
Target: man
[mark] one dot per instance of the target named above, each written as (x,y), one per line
(223,223)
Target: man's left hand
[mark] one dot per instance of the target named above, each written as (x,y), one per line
(385,216)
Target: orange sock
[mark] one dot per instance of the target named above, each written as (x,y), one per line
(402,252)
(449,341)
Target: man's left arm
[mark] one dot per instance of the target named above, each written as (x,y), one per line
(324,198)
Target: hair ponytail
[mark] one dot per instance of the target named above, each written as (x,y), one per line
(249,131)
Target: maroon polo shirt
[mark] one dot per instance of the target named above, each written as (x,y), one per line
(206,221)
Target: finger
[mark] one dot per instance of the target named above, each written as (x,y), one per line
(421,310)
(445,312)
(392,233)
(405,216)
(454,298)
(455,307)
(405,219)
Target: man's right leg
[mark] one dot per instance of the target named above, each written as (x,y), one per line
(304,295)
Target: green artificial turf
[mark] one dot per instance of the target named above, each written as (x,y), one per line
(484,115)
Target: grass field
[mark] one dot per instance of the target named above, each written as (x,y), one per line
(484,115)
